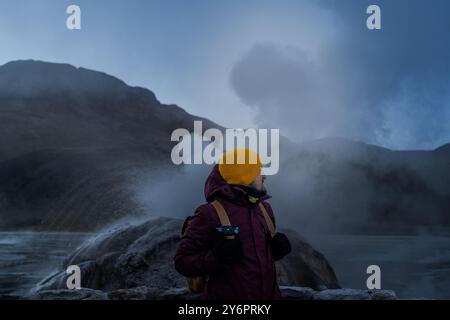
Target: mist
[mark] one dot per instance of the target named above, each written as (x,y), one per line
(325,186)
(389,88)
(171,193)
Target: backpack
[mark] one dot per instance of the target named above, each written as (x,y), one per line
(198,284)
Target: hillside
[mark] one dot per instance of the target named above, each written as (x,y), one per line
(70,141)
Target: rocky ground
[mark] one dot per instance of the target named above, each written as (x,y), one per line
(136,262)
(148,293)
(141,255)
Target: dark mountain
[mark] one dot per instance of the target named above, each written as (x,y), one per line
(57,106)
(341,185)
(71,139)
(445,149)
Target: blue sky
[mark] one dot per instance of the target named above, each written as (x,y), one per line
(310,68)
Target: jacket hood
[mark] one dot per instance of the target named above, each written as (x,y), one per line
(217,187)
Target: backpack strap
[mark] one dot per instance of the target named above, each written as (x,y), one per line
(223,217)
(225,221)
(269,222)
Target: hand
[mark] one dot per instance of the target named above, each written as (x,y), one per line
(281,246)
(228,251)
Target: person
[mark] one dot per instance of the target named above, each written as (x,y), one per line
(242,267)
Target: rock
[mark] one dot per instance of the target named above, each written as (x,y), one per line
(179,294)
(354,294)
(133,257)
(151,293)
(126,258)
(305,266)
(383,295)
(297,293)
(139,293)
(300,293)
(65,294)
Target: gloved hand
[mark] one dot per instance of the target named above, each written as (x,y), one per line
(228,251)
(281,246)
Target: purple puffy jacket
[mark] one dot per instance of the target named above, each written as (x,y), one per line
(254,276)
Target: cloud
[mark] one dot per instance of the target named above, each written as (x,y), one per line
(389,87)
(292,92)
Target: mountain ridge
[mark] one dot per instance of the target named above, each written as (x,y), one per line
(71,153)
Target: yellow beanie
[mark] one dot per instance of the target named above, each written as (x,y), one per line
(240,166)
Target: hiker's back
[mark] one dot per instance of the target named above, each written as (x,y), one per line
(246,279)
